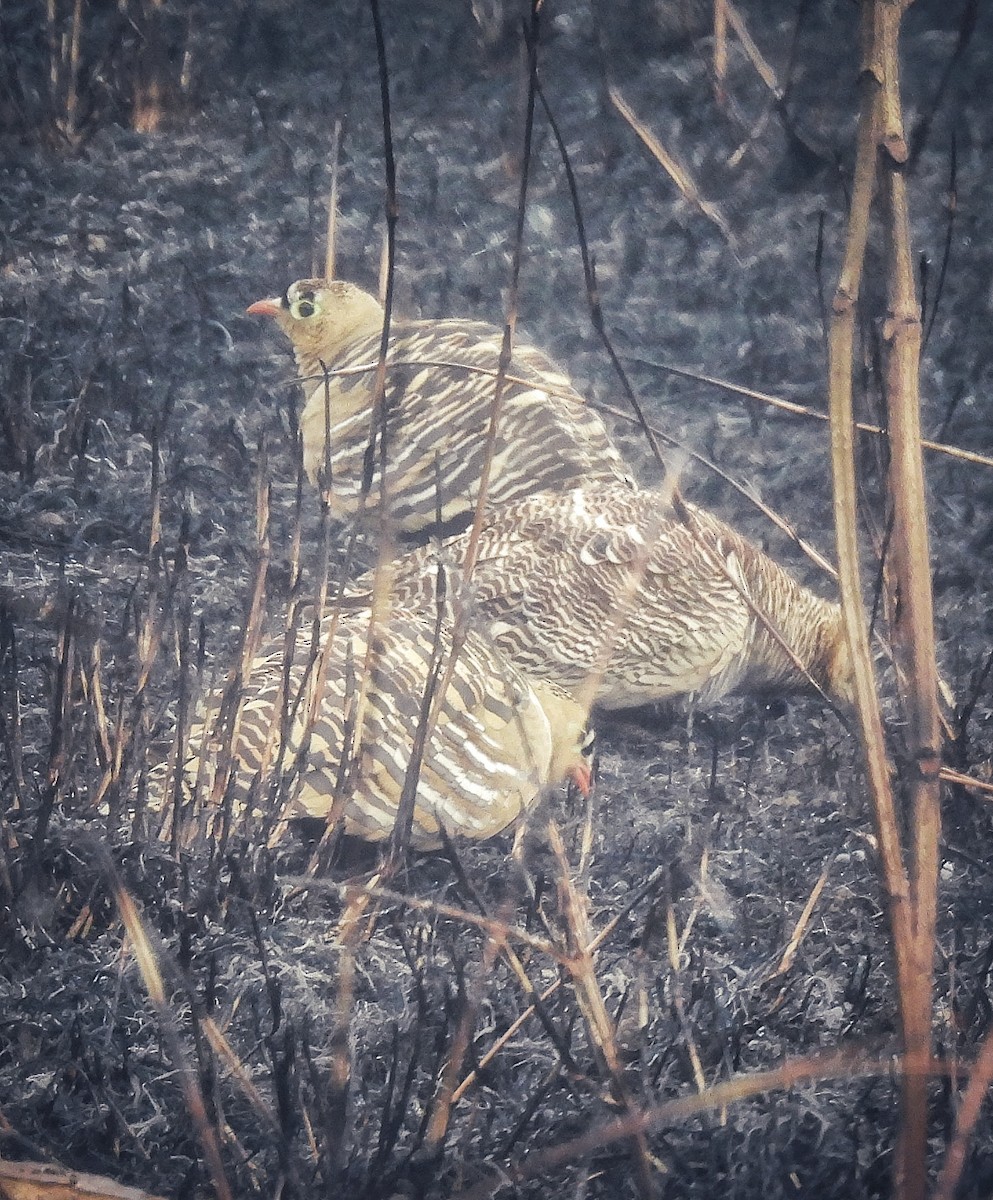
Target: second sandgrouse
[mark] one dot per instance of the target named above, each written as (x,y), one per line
(666,598)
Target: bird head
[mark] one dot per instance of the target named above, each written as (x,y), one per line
(321,317)
(580,770)
(573,740)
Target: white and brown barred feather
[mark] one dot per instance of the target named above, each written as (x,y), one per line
(341,723)
(665,600)
(440,386)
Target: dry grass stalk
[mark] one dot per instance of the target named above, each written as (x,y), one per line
(331,240)
(599,1026)
(318,668)
(754,54)
(61,725)
(287,702)
(513,291)
(64,70)
(147,959)
(113,748)
(239,1072)
(679,174)
(977,787)
(586,840)
(800,410)
(841,366)
(444,1098)
(913,632)
(383,277)
(221,734)
(339,1083)
(720,47)
(96,708)
(798,1072)
(183,714)
(674,948)
(436,685)
(11,731)
(803,922)
(45,1181)
(154,91)
(970,1109)
(312,696)
(377,420)
(911,905)
(72,92)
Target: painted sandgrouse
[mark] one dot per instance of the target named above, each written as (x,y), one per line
(662,596)
(440,388)
(495,740)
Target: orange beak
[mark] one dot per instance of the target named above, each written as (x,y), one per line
(264,308)
(582,777)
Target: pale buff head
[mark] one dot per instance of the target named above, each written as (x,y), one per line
(322,317)
(572,737)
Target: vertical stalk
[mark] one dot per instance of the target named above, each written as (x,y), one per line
(841,341)
(912,900)
(913,627)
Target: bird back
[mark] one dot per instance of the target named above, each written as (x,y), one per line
(624,595)
(440,389)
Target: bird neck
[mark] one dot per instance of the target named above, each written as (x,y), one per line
(810,625)
(567,723)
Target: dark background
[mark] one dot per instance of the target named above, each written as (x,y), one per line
(126,261)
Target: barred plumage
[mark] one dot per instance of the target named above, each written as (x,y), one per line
(440,387)
(660,595)
(353,709)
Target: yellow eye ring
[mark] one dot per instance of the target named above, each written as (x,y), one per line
(302,309)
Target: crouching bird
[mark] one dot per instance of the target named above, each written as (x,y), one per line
(441,380)
(626,597)
(330,731)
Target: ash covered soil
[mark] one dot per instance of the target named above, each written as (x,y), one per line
(126,268)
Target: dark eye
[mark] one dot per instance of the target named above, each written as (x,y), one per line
(301,309)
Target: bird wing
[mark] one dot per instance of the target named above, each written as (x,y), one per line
(439,398)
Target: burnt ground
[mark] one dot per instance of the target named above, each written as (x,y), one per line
(127,262)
